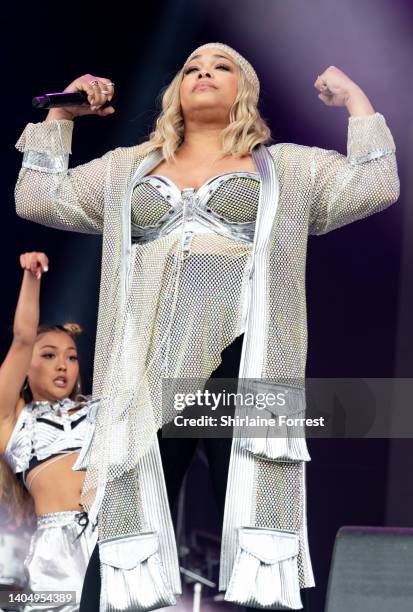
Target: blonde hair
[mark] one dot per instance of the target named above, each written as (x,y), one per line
(245,130)
(73,329)
(15,501)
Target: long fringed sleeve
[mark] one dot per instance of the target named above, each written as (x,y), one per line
(345,189)
(50,193)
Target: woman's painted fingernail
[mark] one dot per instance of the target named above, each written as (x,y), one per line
(46,268)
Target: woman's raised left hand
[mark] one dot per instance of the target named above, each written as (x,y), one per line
(35,262)
(337,89)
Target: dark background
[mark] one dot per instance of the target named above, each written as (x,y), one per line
(359,277)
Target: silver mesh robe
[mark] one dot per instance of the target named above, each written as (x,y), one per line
(304,190)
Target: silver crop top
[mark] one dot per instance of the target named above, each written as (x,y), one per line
(45,429)
(226,204)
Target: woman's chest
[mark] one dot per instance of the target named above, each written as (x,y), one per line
(187,174)
(225,203)
(40,432)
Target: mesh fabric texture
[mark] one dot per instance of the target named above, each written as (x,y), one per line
(169,315)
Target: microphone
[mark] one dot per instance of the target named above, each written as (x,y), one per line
(66,98)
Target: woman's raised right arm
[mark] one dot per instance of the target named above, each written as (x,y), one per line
(13,370)
(47,191)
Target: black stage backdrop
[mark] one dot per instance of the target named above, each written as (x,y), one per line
(359,284)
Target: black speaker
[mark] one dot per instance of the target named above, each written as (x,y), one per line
(371,570)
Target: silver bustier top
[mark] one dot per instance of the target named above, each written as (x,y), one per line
(226,204)
(44,429)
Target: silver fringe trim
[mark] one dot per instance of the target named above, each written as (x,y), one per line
(277,449)
(265,573)
(141,571)
(132,574)
(281,441)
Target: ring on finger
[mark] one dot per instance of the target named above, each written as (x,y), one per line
(94,82)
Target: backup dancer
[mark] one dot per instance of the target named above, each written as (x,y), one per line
(42,429)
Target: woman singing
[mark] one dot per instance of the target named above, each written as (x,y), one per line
(42,430)
(205,231)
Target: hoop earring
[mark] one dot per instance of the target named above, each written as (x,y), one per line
(77,388)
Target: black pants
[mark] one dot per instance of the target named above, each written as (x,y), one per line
(176,457)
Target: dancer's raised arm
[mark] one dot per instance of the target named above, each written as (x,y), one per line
(14,368)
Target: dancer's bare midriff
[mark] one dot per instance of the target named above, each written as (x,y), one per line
(54,486)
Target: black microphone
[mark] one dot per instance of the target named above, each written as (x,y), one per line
(66,98)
